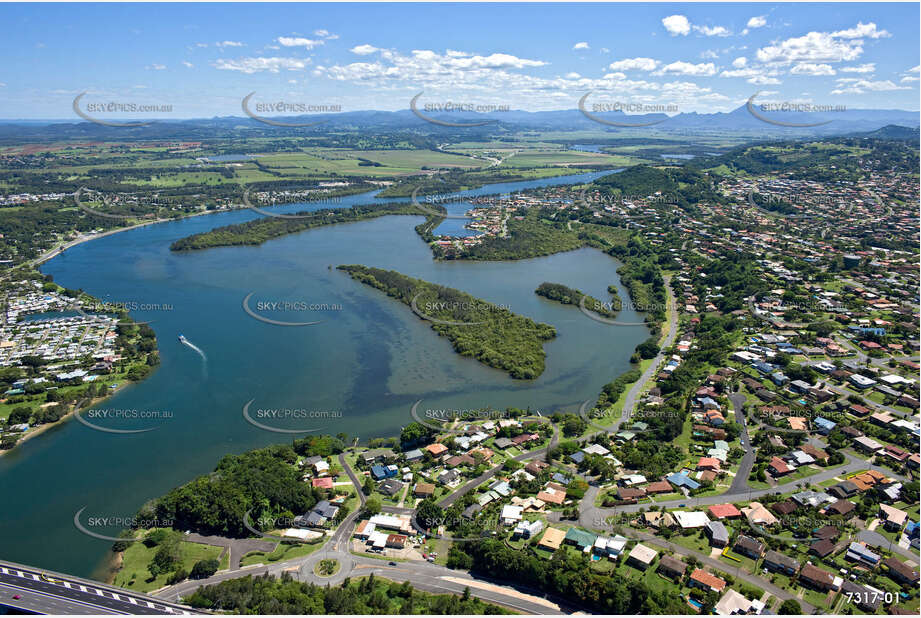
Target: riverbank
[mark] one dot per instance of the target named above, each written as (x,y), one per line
(41,429)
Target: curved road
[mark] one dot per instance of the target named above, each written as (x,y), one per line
(669,340)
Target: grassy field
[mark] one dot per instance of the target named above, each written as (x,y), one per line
(284,551)
(135,576)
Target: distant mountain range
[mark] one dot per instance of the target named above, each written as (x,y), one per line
(738,121)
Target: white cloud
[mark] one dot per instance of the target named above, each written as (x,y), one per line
(573,76)
(580,45)
(759,76)
(258,64)
(223,44)
(810,68)
(712,31)
(862,31)
(909,78)
(916,69)
(703,69)
(860,68)
(763,80)
(188,64)
(201,45)
(677,24)
(861,86)
(156,67)
(364,50)
(756,22)
(634,64)
(298,41)
(812,47)
(740,62)
(325,34)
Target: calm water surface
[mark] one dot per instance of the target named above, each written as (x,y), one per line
(359,371)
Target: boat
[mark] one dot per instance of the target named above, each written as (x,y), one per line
(182,339)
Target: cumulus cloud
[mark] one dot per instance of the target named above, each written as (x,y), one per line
(712,31)
(740,62)
(260,64)
(187,64)
(860,68)
(756,22)
(759,76)
(812,47)
(677,25)
(364,50)
(297,41)
(703,69)
(851,85)
(862,31)
(634,64)
(810,68)
(223,44)
(763,80)
(580,45)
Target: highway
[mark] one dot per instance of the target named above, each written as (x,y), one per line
(66,594)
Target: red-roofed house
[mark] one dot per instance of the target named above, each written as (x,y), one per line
(709,463)
(323,483)
(724,511)
(779,467)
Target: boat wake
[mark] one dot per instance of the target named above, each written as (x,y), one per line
(204,357)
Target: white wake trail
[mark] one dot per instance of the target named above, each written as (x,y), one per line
(204,357)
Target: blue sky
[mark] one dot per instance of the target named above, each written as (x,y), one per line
(202,59)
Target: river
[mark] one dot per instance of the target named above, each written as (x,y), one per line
(358,371)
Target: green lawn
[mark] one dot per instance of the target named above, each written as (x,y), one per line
(284,551)
(134,575)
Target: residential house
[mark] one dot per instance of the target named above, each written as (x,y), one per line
(641,556)
(706,581)
(776,561)
(717,533)
(672,567)
(748,546)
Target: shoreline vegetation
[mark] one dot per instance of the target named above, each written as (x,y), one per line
(489,333)
(260,230)
(571,296)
